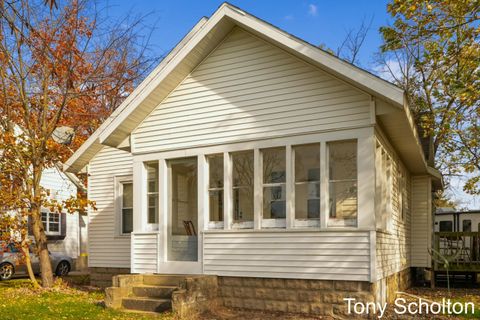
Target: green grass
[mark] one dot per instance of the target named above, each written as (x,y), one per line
(19,301)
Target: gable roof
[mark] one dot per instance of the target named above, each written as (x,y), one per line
(196,45)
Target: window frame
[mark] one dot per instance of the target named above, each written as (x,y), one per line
(46,224)
(119,182)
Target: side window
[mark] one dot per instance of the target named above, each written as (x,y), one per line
(152,192)
(467,225)
(446,226)
(127,207)
(51,222)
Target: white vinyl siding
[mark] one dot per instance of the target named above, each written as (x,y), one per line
(106,248)
(421,221)
(296,255)
(248,89)
(393,237)
(145,252)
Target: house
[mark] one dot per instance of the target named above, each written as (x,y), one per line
(66,233)
(252,155)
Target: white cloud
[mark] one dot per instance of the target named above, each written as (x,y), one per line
(312,9)
(391,70)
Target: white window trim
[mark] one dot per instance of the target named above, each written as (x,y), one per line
(118,204)
(47,224)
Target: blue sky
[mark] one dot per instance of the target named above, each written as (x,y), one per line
(318,22)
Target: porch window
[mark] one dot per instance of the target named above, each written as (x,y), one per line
(274,179)
(152,192)
(51,222)
(242,188)
(215,187)
(307,182)
(342,183)
(126,190)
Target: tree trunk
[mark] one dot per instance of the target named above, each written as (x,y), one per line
(42,249)
(28,262)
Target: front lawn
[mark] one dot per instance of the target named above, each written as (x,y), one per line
(19,301)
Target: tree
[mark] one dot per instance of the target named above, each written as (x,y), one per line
(61,64)
(432,50)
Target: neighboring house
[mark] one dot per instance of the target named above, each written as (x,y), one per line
(252,154)
(66,233)
(450,220)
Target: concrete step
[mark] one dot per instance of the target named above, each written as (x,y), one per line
(163,280)
(147,304)
(161,292)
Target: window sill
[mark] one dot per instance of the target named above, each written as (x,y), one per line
(123,236)
(299,230)
(55,237)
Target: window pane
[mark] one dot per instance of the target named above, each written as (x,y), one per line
(216,205)
(152,191)
(273,160)
(307,200)
(343,200)
(307,162)
(274,202)
(242,168)
(242,174)
(467,225)
(446,226)
(152,207)
(243,204)
(44,218)
(215,168)
(54,222)
(342,173)
(342,160)
(127,195)
(127,220)
(152,176)
(307,178)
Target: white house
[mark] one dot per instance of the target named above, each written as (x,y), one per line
(66,233)
(249,153)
